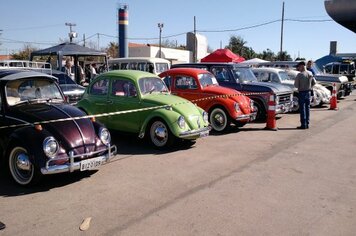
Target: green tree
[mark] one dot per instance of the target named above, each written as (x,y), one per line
(112,49)
(238,46)
(24,53)
(283,56)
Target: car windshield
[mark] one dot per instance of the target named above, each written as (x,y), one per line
(32,90)
(283,75)
(207,80)
(152,85)
(244,75)
(317,70)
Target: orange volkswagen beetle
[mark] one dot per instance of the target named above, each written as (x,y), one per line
(224,105)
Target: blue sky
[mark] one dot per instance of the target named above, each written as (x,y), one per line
(42,23)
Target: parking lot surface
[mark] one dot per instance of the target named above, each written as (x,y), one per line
(249,181)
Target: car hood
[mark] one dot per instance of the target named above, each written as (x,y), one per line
(233,94)
(266,87)
(290,84)
(78,135)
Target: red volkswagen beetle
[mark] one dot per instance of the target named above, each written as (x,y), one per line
(201,87)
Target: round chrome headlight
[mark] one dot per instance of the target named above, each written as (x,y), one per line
(237,107)
(181,122)
(50,147)
(205,117)
(104,136)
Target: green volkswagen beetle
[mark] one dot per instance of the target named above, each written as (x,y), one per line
(160,116)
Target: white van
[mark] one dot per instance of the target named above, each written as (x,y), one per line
(149,64)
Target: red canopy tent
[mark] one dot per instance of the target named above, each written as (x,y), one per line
(222,55)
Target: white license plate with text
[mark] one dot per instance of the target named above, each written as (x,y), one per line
(90,164)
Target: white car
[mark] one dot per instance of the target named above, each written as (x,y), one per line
(321,95)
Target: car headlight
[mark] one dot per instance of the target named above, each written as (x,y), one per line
(104,136)
(181,122)
(277,100)
(205,117)
(237,107)
(50,147)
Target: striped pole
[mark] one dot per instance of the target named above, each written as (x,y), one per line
(271,114)
(123,25)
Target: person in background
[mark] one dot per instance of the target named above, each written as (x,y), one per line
(68,69)
(93,72)
(304,82)
(310,67)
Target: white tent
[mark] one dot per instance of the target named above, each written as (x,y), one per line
(254,61)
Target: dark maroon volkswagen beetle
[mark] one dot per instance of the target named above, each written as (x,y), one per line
(31,147)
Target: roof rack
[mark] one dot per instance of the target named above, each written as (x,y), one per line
(43,67)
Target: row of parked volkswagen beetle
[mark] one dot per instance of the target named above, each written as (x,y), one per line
(41,134)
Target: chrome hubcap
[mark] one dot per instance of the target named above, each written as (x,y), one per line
(23,163)
(159,134)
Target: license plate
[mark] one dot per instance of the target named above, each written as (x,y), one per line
(90,164)
(204,134)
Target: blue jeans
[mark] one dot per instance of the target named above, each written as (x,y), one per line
(304,108)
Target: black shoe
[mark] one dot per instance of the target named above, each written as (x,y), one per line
(2,225)
(302,127)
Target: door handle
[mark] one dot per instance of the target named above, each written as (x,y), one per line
(109,102)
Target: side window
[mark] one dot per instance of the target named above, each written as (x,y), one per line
(185,82)
(133,66)
(141,66)
(336,69)
(220,74)
(123,66)
(274,78)
(123,88)
(328,69)
(168,81)
(100,87)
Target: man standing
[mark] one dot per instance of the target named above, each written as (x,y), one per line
(304,82)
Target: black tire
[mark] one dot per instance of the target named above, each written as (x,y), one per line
(21,169)
(160,135)
(239,124)
(219,119)
(261,111)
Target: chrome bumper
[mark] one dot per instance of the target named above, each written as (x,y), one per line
(284,108)
(249,117)
(73,166)
(203,132)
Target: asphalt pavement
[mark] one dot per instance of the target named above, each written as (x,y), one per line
(249,181)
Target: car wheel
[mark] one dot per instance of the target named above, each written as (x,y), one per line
(160,134)
(218,119)
(295,106)
(21,168)
(260,111)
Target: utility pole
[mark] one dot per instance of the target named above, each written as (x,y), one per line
(195,54)
(98,41)
(282,25)
(72,34)
(160,26)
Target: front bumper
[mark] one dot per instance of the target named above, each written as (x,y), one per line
(73,166)
(249,117)
(194,134)
(284,108)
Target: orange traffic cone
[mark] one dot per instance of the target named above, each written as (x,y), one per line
(333,100)
(271,114)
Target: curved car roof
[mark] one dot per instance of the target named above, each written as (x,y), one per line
(20,74)
(192,71)
(131,74)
